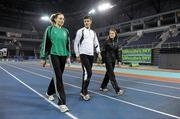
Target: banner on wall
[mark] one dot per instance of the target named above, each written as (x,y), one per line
(140,55)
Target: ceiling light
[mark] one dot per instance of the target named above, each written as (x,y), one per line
(45,18)
(104,6)
(93,11)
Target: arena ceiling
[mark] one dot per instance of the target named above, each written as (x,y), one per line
(16,13)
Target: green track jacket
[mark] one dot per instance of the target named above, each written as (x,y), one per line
(56,41)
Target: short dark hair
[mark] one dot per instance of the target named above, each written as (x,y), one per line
(88,17)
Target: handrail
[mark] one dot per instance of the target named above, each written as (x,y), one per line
(139,19)
(152,45)
(171,45)
(21,39)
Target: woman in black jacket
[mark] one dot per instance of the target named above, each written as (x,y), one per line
(111,54)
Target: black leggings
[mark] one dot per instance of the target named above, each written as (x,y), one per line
(56,84)
(110,76)
(87,62)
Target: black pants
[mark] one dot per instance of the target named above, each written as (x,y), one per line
(56,84)
(87,62)
(110,76)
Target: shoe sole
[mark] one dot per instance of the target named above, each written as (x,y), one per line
(48,97)
(82,96)
(65,111)
(121,93)
(103,90)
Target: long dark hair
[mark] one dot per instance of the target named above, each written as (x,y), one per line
(54,16)
(116,35)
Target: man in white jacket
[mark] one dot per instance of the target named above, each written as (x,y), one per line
(85,43)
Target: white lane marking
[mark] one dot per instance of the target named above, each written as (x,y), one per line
(112,98)
(140,90)
(52,103)
(140,82)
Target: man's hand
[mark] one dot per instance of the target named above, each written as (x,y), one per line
(78,59)
(43,63)
(99,57)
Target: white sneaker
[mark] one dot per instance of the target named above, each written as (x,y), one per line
(120,92)
(85,97)
(63,108)
(104,89)
(50,97)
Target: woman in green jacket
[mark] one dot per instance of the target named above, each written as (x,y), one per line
(56,46)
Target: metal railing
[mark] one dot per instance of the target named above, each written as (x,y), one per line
(171,45)
(141,21)
(152,45)
(20,39)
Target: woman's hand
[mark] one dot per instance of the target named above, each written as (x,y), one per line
(43,63)
(68,60)
(119,64)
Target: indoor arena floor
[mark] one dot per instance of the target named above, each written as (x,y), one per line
(23,86)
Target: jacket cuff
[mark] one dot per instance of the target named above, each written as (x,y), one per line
(43,58)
